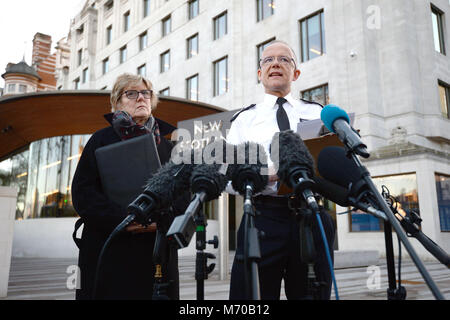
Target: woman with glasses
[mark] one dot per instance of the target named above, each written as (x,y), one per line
(127,270)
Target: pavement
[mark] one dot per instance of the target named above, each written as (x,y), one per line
(53,279)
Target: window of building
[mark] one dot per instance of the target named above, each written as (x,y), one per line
(317,94)
(85,76)
(165,61)
(220,25)
(403,187)
(259,50)
(165,92)
(108,34)
(79,57)
(109,5)
(264,9)
(22,88)
(143,41)
(166,25)
(142,70)
(11,87)
(192,46)
(193,9)
(146,5)
(312,34)
(105,65)
(437,19)
(443,198)
(76,84)
(221,76)
(126,21)
(192,88)
(123,54)
(80,30)
(444,98)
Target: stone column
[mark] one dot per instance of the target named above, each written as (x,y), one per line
(8,197)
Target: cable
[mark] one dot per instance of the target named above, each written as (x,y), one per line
(327,252)
(115,232)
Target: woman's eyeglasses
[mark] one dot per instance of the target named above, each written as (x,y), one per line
(134,94)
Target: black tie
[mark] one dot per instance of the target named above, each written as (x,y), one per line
(282,118)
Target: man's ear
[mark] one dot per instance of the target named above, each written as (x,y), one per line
(259,74)
(296,75)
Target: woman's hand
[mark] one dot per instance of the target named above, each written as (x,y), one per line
(135,227)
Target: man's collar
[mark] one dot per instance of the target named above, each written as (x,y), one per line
(271,100)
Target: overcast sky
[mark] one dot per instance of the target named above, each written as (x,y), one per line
(21,19)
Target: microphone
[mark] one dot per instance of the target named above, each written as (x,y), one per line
(340,196)
(337,121)
(246,177)
(207,182)
(295,164)
(171,180)
(350,177)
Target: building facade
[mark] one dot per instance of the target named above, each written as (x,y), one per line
(385,61)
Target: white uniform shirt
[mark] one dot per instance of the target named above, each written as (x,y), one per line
(259,124)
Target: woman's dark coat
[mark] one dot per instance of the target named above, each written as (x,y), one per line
(127,269)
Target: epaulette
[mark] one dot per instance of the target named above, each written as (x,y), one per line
(313,102)
(240,111)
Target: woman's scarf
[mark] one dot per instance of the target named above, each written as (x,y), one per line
(124,125)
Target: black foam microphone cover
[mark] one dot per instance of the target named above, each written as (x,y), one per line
(331,191)
(208,178)
(334,165)
(250,159)
(290,155)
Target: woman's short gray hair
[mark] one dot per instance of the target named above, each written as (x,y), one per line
(125,80)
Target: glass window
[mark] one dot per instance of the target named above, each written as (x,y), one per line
(166,25)
(76,84)
(192,88)
(123,54)
(437,17)
(402,187)
(108,35)
(318,94)
(142,70)
(192,46)
(126,21)
(105,65)
(146,4)
(443,197)
(444,98)
(220,76)
(312,33)
(260,48)
(164,92)
(22,88)
(109,5)
(193,9)
(143,41)
(11,87)
(220,25)
(80,57)
(165,61)
(264,8)
(85,77)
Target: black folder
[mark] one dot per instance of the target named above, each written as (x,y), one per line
(126,166)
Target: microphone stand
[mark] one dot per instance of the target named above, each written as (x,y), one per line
(307,250)
(161,258)
(392,294)
(201,259)
(252,251)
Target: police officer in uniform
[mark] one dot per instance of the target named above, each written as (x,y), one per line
(280,245)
